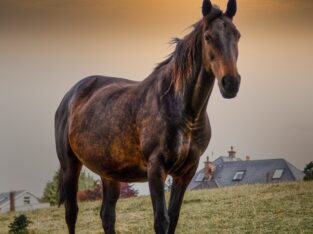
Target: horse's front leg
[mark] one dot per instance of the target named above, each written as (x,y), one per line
(178,189)
(156,178)
(111,192)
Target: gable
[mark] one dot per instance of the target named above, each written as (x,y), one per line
(25,199)
(5,197)
(21,198)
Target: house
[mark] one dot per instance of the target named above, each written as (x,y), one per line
(229,170)
(20,201)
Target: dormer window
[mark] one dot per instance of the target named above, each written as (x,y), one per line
(239,176)
(278,173)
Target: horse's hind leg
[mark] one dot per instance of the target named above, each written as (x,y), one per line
(111,193)
(70,171)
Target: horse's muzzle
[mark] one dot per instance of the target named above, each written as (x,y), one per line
(229,86)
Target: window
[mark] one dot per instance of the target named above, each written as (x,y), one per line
(199,177)
(27,200)
(239,175)
(278,173)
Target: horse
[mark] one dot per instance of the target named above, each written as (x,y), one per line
(128,131)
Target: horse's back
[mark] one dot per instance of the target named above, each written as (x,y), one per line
(88,86)
(91,84)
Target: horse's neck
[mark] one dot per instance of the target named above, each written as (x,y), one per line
(183,75)
(192,94)
(197,93)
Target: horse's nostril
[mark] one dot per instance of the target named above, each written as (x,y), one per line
(224,82)
(230,84)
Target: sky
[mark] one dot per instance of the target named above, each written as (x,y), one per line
(47,46)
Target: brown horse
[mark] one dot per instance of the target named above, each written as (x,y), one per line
(128,131)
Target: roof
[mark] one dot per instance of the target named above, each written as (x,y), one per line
(295,171)
(223,159)
(5,197)
(254,171)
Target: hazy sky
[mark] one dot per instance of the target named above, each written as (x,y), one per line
(47,46)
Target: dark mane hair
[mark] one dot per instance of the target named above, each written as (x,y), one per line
(187,56)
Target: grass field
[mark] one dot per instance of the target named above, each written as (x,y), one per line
(270,208)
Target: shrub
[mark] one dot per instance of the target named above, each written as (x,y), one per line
(308,171)
(19,225)
(126,190)
(90,194)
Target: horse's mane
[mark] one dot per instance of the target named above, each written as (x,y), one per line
(188,52)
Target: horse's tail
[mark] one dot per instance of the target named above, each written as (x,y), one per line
(61,194)
(69,164)
(60,127)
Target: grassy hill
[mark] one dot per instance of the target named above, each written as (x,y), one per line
(270,208)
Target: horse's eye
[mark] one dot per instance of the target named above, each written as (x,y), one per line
(209,39)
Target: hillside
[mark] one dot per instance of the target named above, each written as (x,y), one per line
(271,208)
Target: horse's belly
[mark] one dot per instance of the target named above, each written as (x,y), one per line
(113,168)
(112,158)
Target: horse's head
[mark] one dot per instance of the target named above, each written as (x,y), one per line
(220,47)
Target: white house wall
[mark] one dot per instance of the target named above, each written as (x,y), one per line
(20,204)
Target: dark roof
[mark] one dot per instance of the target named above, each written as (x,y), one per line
(255,171)
(4,197)
(295,171)
(223,159)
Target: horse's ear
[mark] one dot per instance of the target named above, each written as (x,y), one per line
(231,9)
(206,7)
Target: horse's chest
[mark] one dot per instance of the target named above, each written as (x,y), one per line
(184,148)
(176,147)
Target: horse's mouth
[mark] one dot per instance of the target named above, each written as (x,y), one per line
(230,91)
(228,95)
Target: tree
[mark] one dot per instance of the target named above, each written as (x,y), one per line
(308,171)
(50,193)
(86,181)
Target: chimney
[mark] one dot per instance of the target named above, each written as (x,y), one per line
(232,153)
(12,201)
(208,170)
(247,158)
(207,162)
